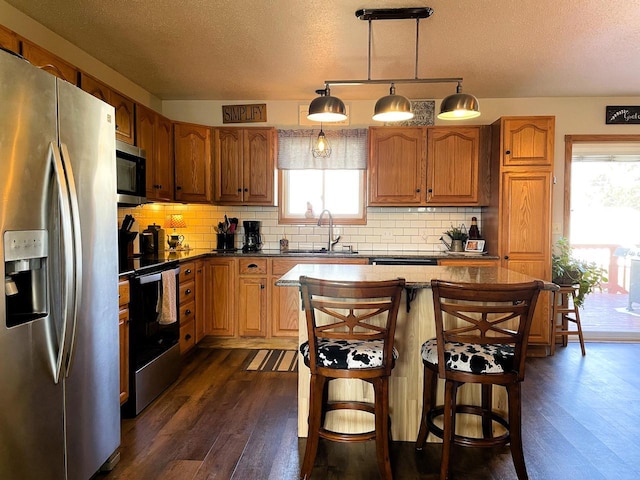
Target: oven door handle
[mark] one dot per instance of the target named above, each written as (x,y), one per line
(155,277)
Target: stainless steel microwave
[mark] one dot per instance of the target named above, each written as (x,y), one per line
(132,176)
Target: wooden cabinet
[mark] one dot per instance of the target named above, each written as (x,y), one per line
(188,306)
(244,165)
(527,141)
(458,165)
(124,107)
(154,134)
(468,262)
(9,40)
(517,223)
(396,170)
(192,146)
(429,166)
(220,296)
(253,294)
(49,62)
(123,325)
(200,324)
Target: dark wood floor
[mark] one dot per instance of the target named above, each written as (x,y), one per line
(581,420)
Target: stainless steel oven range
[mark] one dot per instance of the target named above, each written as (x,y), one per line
(154,347)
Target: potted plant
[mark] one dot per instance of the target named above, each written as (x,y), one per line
(458,236)
(568,270)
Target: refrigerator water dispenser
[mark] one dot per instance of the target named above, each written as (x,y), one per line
(25,281)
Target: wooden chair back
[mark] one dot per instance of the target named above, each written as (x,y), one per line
(485,314)
(342,310)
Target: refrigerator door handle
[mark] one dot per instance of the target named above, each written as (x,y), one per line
(65,217)
(77,252)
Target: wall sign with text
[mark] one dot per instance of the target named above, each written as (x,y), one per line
(623,115)
(256,112)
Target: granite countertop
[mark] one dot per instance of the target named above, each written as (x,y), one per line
(137,264)
(415,276)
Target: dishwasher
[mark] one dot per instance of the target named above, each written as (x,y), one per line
(403,261)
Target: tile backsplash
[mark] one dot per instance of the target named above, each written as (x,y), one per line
(387,228)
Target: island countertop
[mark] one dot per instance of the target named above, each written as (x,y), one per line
(415,325)
(416,276)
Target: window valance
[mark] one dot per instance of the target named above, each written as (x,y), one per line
(349,149)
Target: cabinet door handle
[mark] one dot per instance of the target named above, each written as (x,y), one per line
(187,292)
(187,271)
(187,336)
(417,190)
(246,189)
(261,287)
(508,152)
(187,312)
(178,187)
(239,190)
(506,257)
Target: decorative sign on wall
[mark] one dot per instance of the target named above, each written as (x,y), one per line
(256,112)
(623,115)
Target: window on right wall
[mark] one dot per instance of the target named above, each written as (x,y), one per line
(309,185)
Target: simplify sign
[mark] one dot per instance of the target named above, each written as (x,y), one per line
(256,112)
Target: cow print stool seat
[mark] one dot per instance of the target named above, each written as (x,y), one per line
(351,326)
(481,338)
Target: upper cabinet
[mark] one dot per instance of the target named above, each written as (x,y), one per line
(397,165)
(49,62)
(9,40)
(123,106)
(436,166)
(192,147)
(244,165)
(527,141)
(154,134)
(458,165)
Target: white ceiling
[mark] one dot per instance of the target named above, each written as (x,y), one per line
(286,49)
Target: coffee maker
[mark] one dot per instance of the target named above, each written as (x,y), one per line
(252,239)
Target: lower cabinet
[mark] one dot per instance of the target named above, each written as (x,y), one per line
(123,325)
(219,279)
(187,302)
(253,296)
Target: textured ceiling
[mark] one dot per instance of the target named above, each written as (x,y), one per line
(285,49)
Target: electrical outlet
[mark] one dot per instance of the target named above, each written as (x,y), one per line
(387,236)
(556,229)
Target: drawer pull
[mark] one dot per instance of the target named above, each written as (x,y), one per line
(187,336)
(187,291)
(187,312)
(252,265)
(187,271)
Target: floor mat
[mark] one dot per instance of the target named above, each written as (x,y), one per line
(274,361)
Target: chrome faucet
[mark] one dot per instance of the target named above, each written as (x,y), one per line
(331,241)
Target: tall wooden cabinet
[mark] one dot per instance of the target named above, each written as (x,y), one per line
(439,166)
(517,224)
(124,107)
(154,134)
(244,168)
(253,293)
(192,146)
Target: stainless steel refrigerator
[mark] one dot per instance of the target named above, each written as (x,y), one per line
(59,360)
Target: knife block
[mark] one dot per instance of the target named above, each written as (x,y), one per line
(125,245)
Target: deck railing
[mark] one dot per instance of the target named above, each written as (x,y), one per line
(617,267)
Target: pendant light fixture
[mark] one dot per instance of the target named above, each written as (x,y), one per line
(393,108)
(321,147)
(326,108)
(459,106)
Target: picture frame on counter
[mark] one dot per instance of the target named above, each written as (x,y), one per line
(476,246)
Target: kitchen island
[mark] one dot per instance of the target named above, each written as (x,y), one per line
(415,325)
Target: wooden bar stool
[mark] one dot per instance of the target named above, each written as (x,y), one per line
(564,305)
